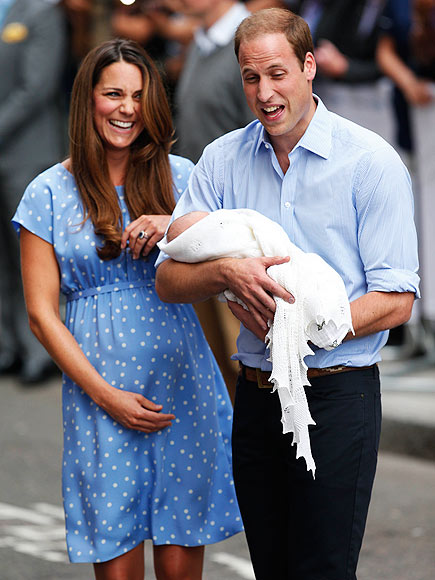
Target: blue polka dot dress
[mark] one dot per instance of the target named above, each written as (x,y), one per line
(122,486)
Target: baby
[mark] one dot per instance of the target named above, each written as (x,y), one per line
(320,313)
(181,224)
(197,250)
(200,236)
(220,243)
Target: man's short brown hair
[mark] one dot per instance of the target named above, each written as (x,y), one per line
(277,21)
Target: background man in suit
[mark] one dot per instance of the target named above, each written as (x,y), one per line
(209,97)
(32,55)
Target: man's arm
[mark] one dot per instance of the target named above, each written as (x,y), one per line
(377,311)
(189,283)
(246,277)
(371,313)
(415,89)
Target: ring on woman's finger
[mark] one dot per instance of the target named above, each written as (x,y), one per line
(142,235)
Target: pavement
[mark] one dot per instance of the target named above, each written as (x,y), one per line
(408,404)
(399,540)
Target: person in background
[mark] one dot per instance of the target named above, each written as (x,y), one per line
(344,53)
(342,192)
(395,59)
(406,54)
(32,59)
(348,79)
(146,414)
(160,27)
(79,24)
(209,99)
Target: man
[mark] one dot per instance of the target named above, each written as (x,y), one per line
(209,99)
(32,137)
(342,192)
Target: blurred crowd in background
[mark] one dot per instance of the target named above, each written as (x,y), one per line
(376,66)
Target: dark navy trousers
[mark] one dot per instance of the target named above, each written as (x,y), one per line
(297,527)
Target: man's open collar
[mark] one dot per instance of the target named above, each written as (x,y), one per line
(317,138)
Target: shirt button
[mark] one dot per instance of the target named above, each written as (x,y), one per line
(287,204)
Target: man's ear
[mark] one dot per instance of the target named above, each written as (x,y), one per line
(310,66)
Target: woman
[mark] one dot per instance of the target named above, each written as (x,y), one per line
(146,413)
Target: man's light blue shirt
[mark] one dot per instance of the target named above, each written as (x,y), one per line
(346,196)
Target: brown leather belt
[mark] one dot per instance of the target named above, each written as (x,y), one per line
(262,377)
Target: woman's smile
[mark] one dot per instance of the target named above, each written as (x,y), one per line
(117,105)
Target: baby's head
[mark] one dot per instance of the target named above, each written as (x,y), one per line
(181,224)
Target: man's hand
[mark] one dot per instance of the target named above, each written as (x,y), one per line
(417,92)
(247,320)
(330,61)
(248,280)
(245,277)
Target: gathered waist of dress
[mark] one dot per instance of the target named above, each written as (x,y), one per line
(103,289)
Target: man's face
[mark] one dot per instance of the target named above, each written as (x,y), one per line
(278,92)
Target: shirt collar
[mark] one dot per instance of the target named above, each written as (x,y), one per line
(222,31)
(317,137)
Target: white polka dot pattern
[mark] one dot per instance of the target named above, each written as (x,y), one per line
(121,486)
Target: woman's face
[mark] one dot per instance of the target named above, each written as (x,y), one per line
(117,105)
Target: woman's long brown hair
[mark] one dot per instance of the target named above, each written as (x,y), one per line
(148,183)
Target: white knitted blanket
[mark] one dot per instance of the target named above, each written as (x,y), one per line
(320,313)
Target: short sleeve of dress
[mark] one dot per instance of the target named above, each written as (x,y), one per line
(35,210)
(181,170)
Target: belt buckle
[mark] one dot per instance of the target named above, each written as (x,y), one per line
(336,369)
(260,382)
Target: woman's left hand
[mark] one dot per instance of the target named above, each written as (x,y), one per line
(142,234)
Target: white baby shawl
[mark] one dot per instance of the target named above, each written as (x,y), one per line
(320,313)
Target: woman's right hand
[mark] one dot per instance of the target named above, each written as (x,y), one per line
(134,411)
(143,233)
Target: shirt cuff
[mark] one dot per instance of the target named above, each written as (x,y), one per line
(393,280)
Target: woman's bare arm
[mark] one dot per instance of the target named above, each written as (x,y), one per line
(41,289)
